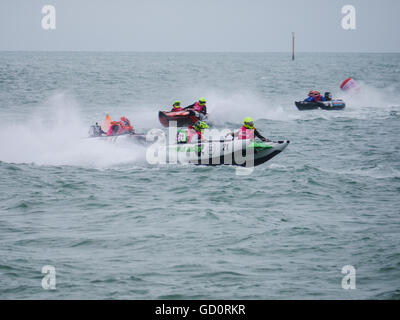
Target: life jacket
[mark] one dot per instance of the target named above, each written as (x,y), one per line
(176,109)
(245,133)
(126,125)
(317,98)
(197,107)
(112,129)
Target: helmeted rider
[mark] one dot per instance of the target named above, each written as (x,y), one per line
(120,127)
(318,97)
(126,125)
(199,106)
(176,106)
(248,131)
(114,129)
(310,97)
(196,130)
(314,96)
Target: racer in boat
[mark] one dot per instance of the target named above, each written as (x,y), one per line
(196,131)
(120,127)
(199,107)
(318,97)
(314,96)
(114,129)
(248,131)
(126,125)
(176,106)
(310,97)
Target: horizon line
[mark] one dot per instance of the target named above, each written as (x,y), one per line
(151,51)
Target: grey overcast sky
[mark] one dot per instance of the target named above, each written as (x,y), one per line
(202,25)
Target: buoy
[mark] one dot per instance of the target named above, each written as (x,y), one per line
(350,85)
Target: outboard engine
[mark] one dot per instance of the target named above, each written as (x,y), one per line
(95,131)
(92,131)
(328,96)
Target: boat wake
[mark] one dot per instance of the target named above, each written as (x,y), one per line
(57,135)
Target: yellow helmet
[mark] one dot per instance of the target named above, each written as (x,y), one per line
(248,123)
(202,101)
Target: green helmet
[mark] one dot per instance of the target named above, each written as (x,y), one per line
(248,123)
(177,104)
(202,101)
(200,125)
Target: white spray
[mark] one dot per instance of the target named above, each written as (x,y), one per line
(56,135)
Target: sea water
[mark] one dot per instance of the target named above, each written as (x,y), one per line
(113,226)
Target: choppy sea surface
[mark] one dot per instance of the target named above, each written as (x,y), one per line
(116,227)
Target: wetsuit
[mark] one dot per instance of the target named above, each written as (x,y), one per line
(203,109)
(259,136)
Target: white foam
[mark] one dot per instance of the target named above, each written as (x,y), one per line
(226,107)
(56,135)
(235,107)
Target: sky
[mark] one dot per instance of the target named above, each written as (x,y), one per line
(201,26)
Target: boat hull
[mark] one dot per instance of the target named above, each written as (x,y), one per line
(182,118)
(235,152)
(325,105)
(136,138)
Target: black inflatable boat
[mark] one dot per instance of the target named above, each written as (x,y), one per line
(328,104)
